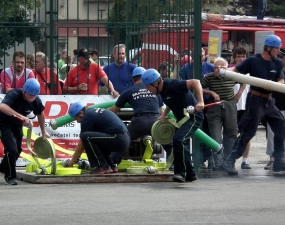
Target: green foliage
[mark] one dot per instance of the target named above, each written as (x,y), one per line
(16,25)
(140,14)
(276,8)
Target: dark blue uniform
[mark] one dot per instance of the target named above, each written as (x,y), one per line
(261,105)
(146,111)
(11,128)
(177,97)
(103,132)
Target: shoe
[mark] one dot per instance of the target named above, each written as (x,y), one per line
(115,168)
(211,165)
(191,178)
(178,178)
(230,168)
(203,166)
(269,165)
(102,170)
(245,166)
(11,182)
(218,168)
(278,165)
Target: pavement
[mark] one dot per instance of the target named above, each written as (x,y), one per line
(252,197)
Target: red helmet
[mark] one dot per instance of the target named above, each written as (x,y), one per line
(185,59)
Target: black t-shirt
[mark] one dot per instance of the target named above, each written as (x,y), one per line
(141,100)
(177,97)
(103,121)
(256,66)
(15,100)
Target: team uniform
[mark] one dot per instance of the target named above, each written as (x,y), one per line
(45,81)
(8,79)
(103,132)
(90,76)
(177,97)
(259,104)
(120,76)
(11,129)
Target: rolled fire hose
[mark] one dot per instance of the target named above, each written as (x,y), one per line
(247,79)
(44,149)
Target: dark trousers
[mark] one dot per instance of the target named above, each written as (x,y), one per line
(181,146)
(141,126)
(98,147)
(256,109)
(207,152)
(12,141)
(262,6)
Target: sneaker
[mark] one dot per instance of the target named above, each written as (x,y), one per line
(11,182)
(178,178)
(230,168)
(102,170)
(191,178)
(278,166)
(245,166)
(269,165)
(115,168)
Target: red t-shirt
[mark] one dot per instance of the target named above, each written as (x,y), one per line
(16,81)
(44,78)
(90,76)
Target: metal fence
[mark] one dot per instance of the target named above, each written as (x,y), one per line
(153,30)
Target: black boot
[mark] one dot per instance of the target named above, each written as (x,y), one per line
(229,166)
(278,165)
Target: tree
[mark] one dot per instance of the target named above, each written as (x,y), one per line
(133,16)
(16,23)
(249,8)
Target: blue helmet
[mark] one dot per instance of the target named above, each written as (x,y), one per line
(273,41)
(138,71)
(32,86)
(150,76)
(75,108)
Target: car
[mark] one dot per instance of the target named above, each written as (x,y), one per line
(105,60)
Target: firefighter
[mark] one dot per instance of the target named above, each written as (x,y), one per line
(18,103)
(177,97)
(102,132)
(259,103)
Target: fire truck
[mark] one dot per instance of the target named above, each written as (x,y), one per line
(163,40)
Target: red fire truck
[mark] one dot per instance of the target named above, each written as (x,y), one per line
(163,41)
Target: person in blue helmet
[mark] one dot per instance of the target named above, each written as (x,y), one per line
(102,132)
(146,105)
(177,97)
(259,104)
(26,105)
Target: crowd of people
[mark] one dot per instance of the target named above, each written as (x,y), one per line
(232,124)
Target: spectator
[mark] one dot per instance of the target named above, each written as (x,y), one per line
(62,61)
(261,8)
(83,79)
(239,55)
(280,104)
(42,74)
(16,75)
(66,68)
(222,120)
(30,61)
(74,61)
(95,55)
(120,72)
(18,103)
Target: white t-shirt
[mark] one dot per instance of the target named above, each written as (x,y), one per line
(242,101)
